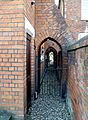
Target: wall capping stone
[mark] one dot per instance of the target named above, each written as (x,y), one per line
(83,42)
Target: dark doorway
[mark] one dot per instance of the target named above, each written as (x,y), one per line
(28,71)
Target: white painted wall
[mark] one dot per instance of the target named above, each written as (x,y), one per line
(29,28)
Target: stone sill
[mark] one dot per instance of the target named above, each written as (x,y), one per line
(83,42)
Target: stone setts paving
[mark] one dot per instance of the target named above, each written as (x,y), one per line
(49,105)
(4,115)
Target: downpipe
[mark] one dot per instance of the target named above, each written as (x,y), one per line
(35,91)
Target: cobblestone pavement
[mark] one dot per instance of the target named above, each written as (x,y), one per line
(49,105)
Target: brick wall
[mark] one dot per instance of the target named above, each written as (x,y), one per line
(77,73)
(13,55)
(73,18)
(29,14)
(77,78)
(51,25)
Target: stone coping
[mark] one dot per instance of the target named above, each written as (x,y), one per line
(83,42)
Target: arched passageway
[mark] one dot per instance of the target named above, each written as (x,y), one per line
(49,57)
(49,104)
(51,24)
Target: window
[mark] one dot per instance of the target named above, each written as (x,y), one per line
(84,9)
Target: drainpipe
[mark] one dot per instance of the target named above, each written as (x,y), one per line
(35,84)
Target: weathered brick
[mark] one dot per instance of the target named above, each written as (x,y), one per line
(76,79)
(49,23)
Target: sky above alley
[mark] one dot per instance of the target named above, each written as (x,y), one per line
(56,2)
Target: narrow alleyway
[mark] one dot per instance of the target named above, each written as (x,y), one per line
(49,105)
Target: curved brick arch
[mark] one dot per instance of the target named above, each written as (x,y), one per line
(43,41)
(52,39)
(52,44)
(54,26)
(51,49)
(55,53)
(39,54)
(63,62)
(51,24)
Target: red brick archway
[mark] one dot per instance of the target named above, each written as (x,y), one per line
(52,25)
(48,50)
(39,49)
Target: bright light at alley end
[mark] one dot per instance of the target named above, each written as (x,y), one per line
(57,2)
